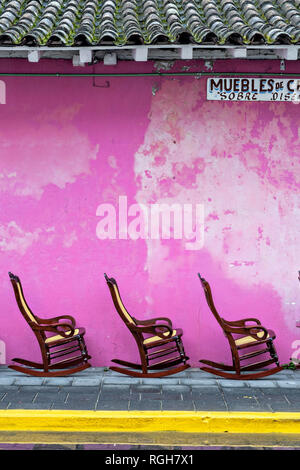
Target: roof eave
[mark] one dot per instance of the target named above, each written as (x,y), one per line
(143,53)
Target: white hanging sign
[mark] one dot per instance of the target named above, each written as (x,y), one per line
(253,89)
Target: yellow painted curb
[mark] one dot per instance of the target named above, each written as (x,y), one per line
(149,421)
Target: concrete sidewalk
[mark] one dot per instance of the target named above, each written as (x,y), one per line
(190,390)
(99,405)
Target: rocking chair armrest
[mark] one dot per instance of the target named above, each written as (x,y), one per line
(155,329)
(249,331)
(63,329)
(152,321)
(241,322)
(50,321)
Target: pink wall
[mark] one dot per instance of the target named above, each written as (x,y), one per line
(67,146)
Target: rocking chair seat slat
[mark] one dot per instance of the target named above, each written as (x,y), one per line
(166,362)
(255,353)
(249,339)
(258,365)
(58,338)
(155,339)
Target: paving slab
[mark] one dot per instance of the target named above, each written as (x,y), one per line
(145,405)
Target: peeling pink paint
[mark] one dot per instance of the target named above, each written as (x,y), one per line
(67,146)
(212,216)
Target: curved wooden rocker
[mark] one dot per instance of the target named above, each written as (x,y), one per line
(242,336)
(57,337)
(162,342)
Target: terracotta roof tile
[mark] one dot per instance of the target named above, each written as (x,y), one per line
(121,22)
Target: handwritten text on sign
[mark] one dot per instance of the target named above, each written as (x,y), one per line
(253,89)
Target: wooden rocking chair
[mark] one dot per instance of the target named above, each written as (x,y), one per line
(241,336)
(66,340)
(163,341)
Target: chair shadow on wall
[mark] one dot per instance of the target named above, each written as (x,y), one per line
(58,338)
(160,346)
(242,336)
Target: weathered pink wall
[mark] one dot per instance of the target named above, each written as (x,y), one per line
(67,146)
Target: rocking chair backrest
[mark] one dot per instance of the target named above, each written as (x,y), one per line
(209,299)
(25,310)
(114,290)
